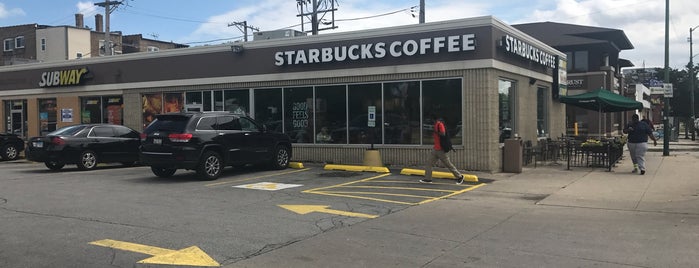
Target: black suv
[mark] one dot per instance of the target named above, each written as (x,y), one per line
(209,141)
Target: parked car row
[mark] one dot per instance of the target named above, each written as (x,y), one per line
(205,142)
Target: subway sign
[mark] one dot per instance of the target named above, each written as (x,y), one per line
(70,77)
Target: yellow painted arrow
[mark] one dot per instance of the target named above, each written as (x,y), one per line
(192,256)
(305,209)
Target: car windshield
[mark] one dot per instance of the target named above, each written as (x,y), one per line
(68,131)
(168,123)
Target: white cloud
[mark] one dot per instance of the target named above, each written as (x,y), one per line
(643,22)
(86,8)
(6,13)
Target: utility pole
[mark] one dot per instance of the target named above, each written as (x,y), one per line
(666,100)
(314,11)
(109,6)
(243,27)
(691,82)
(422,11)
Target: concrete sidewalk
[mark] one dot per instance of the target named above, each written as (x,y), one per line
(544,217)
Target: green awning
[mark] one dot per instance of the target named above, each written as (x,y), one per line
(602,100)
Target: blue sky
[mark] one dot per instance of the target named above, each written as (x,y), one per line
(196,22)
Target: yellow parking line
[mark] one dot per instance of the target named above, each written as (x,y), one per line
(253,178)
(347,183)
(452,194)
(362,197)
(397,188)
(389,194)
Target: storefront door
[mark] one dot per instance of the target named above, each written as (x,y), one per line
(16,122)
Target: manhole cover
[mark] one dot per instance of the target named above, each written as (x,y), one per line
(342,174)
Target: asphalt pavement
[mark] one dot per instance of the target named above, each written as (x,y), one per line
(546,216)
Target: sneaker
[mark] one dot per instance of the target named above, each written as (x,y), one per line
(460,180)
(643,171)
(425,181)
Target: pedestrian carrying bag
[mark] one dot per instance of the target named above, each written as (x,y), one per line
(445,141)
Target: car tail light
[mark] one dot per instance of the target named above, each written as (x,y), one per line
(180,137)
(57,141)
(144,136)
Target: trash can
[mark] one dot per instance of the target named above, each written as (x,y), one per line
(512,156)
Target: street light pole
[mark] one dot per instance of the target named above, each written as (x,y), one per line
(666,100)
(691,82)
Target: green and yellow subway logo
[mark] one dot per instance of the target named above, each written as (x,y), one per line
(69,77)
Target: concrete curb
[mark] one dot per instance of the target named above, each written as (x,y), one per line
(357,168)
(438,174)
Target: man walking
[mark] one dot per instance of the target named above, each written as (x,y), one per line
(440,153)
(639,132)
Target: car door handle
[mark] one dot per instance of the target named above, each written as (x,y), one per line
(221,134)
(248,134)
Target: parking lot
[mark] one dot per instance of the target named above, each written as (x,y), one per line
(126,216)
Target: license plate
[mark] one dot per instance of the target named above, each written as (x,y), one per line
(157,141)
(38,144)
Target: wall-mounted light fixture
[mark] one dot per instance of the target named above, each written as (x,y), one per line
(237,49)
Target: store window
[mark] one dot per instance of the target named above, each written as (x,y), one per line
(360,98)
(102,109)
(236,101)
(580,61)
(506,91)
(113,110)
(331,114)
(401,112)
(194,101)
(298,109)
(442,98)
(542,112)
(47,116)
(152,106)
(268,108)
(174,102)
(91,111)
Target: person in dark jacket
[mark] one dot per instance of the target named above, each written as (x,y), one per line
(639,132)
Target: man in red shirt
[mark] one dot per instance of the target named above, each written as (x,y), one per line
(438,153)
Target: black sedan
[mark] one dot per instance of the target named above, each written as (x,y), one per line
(85,145)
(10,145)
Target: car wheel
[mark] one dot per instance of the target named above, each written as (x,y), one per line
(281,157)
(54,165)
(210,166)
(163,172)
(88,160)
(10,152)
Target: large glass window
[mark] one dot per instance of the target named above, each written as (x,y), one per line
(298,109)
(173,102)
(331,114)
(47,116)
(113,110)
(268,108)
(152,105)
(236,101)
(580,61)
(541,112)
(360,98)
(442,98)
(91,111)
(402,112)
(506,109)
(194,102)
(103,109)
